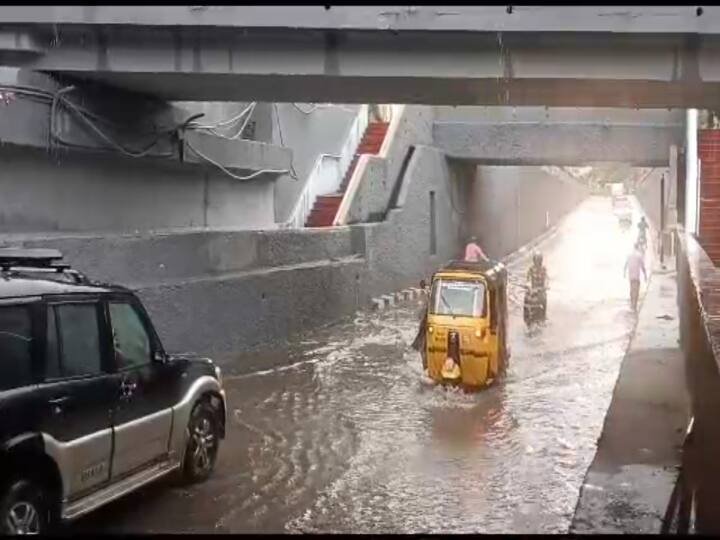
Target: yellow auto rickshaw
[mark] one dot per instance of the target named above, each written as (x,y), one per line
(466,326)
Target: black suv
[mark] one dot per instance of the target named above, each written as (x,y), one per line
(91,405)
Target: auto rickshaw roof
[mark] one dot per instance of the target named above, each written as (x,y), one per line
(494,272)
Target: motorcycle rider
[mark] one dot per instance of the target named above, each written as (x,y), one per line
(537,278)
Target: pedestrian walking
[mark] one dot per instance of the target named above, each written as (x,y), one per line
(634,265)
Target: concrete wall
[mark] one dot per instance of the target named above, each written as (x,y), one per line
(509,206)
(399,249)
(144,259)
(85,193)
(323,131)
(697,277)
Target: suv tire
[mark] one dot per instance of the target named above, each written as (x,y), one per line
(23,508)
(202,443)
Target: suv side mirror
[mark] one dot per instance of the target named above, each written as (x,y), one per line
(159,357)
(423,285)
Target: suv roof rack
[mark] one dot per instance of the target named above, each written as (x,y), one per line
(31,258)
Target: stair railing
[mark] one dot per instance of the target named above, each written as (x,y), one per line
(328,172)
(394,112)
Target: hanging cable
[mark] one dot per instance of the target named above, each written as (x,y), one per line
(53,109)
(239,133)
(315,107)
(245,123)
(282,141)
(227,172)
(47,96)
(229,121)
(114,144)
(117,146)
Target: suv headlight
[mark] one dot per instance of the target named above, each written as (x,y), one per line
(218,374)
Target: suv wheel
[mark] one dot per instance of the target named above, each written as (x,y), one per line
(202,444)
(23,509)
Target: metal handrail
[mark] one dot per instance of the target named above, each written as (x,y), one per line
(307,196)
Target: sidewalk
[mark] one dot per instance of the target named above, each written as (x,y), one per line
(629,483)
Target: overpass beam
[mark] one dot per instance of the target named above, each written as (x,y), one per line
(345,66)
(557,144)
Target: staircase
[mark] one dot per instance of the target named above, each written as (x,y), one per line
(326,206)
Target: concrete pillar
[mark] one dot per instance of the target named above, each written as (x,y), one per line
(672,180)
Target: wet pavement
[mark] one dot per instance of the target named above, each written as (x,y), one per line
(352,438)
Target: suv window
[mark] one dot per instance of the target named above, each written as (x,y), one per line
(15,347)
(75,349)
(131,341)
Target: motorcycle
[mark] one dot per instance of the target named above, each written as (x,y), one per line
(534,309)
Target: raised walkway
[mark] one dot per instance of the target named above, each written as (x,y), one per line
(629,483)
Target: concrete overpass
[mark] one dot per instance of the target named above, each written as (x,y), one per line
(465,55)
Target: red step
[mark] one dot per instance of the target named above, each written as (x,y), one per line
(369,148)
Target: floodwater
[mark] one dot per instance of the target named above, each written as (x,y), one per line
(352,438)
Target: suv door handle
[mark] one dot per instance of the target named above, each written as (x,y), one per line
(57,404)
(127,389)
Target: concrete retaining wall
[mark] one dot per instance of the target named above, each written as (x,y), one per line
(142,259)
(509,206)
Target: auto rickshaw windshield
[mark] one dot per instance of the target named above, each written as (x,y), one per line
(458,298)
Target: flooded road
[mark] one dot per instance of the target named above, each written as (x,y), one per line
(353,439)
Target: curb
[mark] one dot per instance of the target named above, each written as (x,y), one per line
(386,301)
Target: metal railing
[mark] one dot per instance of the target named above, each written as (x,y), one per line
(327,174)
